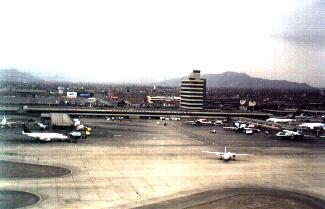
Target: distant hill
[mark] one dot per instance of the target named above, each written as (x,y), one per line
(240,80)
(222,80)
(17,76)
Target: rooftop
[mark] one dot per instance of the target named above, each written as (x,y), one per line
(61,119)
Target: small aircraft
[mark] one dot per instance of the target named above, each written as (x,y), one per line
(227,155)
(46,137)
(290,134)
(280,120)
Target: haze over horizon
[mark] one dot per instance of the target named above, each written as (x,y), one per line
(132,41)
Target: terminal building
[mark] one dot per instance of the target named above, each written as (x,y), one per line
(193,92)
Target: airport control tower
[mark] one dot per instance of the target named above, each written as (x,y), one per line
(193,92)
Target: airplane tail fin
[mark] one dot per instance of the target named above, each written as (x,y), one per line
(4,120)
(225,149)
(25,129)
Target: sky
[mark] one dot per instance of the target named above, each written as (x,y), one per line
(148,40)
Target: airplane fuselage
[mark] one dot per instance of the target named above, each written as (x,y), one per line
(228,156)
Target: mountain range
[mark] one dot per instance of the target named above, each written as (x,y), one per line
(240,80)
(223,80)
(13,75)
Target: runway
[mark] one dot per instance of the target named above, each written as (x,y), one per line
(137,163)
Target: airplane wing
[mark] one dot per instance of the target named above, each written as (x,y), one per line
(243,154)
(217,153)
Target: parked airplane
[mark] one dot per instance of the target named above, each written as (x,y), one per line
(280,120)
(226,155)
(313,125)
(46,137)
(290,134)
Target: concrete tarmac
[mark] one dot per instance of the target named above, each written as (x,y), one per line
(135,163)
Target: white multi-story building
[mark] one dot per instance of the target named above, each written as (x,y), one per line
(193,92)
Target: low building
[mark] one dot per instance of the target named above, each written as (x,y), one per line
(222,103)
(163,100)
(30,92)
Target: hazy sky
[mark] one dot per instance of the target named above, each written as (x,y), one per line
(128,40)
